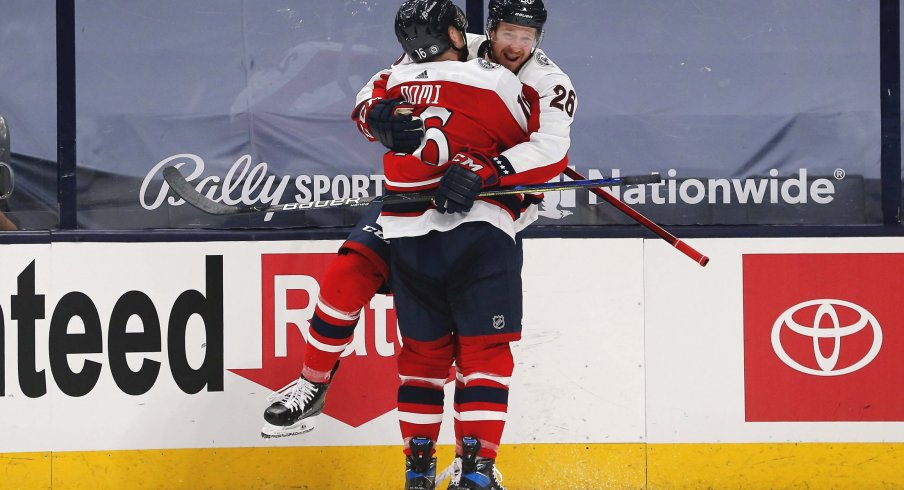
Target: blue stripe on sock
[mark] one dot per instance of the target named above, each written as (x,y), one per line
(421,395)
(324,329)
(488,394)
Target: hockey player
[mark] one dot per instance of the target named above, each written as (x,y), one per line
(456,264)
(514,32)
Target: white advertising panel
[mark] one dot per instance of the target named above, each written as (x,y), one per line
(174,345)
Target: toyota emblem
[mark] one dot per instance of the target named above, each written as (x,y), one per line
(826,308)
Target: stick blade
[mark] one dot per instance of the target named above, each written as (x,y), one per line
(180,186)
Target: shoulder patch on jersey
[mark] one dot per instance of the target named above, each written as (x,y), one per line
(542,59)
(487,65)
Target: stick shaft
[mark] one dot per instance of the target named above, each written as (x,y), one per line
(674,241)
(186,191)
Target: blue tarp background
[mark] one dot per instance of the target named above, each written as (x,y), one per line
(757,92)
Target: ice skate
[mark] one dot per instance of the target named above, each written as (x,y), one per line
(294,408)
(476,473)
(420,467)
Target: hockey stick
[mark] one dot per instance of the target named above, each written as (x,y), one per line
(674,241)
(191,195)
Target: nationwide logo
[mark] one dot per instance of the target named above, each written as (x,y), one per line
(823,337)
(798,188)
(365,387)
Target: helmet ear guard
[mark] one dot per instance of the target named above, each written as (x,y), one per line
(422,28)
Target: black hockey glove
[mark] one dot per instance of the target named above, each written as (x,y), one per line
(399,132)
(467,174)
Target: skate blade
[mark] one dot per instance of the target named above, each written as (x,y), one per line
(269,431)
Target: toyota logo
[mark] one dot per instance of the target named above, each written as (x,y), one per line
(826,308)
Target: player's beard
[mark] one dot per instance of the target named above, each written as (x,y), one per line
(463,50)
(462,53)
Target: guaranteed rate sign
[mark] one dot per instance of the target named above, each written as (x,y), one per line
(113,338)
(366,384)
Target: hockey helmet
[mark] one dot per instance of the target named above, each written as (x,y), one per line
(527,13)
(422,27)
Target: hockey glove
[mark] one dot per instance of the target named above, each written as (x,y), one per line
(467,174)
(399,132)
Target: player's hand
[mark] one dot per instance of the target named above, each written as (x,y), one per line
(396,130)
(468,173)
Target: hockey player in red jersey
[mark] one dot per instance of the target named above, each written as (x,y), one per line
(361,268)
(513,35)
(456,263)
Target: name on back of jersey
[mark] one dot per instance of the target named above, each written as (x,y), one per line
(425,94)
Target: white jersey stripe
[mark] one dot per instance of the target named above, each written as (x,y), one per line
(440,382)
(334,313)
(503,380)
(431,219)
(479,415)
(475,73)
(412,184)
(420,418)
(325,347)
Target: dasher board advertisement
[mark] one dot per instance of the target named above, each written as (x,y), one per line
(777,340)
(109,346)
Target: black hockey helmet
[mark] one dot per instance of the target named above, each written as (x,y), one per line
(527,13)
(422,27)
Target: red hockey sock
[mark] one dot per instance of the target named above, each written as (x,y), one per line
(481,393)
(351,280)
(423,369)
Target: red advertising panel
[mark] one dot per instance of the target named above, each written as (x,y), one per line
(823,337)
(366,385)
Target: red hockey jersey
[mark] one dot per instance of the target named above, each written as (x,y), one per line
(541,157)
(477,106)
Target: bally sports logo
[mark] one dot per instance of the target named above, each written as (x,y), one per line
(366,385)
(823,337)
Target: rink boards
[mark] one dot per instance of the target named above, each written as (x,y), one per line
(147,365)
